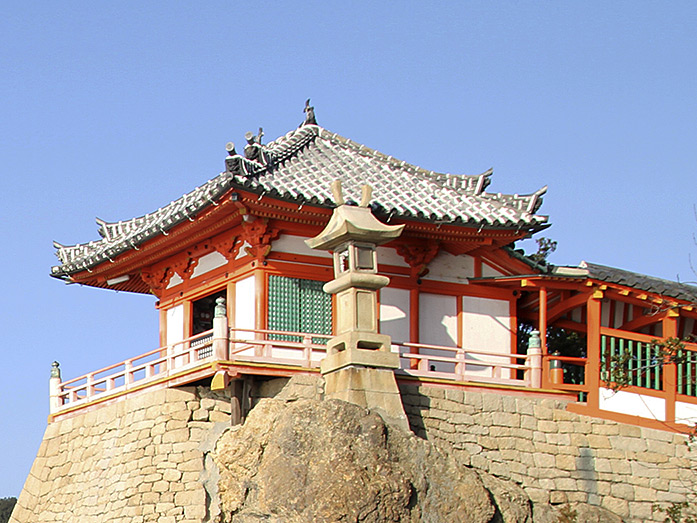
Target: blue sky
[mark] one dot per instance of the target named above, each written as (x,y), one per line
(114,109)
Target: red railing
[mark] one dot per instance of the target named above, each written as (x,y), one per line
(277,347)
(283,348)
(457,363)
(645,372)
(148,367)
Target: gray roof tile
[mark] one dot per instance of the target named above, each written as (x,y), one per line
(641,281)
(300,167)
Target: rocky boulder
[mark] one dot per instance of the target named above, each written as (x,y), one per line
(330,461)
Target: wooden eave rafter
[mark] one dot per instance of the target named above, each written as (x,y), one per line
(210,222)
(498,257)
(567,305)
(533,281)
(644,320)
(615,291)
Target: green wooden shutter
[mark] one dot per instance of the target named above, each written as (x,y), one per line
(284,303)
(315,309)
(298,305)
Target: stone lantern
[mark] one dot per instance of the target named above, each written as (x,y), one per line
(359,366)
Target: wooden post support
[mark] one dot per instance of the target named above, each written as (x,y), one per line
(307,351)
(670,372)
(55,401)
(221,332)
(414,325)
(542,331)
(128,373)
(593,357)
(542,327)
(534,371)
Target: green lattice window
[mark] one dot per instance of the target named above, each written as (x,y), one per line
(299,306)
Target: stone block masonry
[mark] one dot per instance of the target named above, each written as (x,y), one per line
(138,460)
(134,461)
(144,459)
(555,455)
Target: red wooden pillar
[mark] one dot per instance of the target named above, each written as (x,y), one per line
(670,373)
(414,324)
(593,316)
(261,298)
(542,327)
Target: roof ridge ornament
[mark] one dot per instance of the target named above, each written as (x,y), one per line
(309,114)
(252,151)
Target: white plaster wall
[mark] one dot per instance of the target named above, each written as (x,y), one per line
(438,326)
(175,333)
(488,270)
(243,251)
(633,404)
(447,267)
(175,324)
(394,314)
(486,326)
(685,413)
(208,262)
(296,245)
(619,314)
(174,281)
(389,256)
(245,310)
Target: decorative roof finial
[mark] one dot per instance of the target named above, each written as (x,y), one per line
(230,148)
(252,150)
(309,114)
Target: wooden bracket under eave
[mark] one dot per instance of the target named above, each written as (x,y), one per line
(221,379)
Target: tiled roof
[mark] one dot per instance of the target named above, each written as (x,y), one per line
(300,167)
(586,270)
(641,281)
(302,164)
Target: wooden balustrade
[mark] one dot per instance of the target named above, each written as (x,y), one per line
(139,370)
(274,347)
(464,364)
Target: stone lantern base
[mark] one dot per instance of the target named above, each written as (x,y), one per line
(374,389)
(364,376)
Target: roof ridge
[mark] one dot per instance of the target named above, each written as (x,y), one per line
(480,181)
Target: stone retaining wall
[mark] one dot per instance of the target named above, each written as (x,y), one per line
(138,459)
(142,459)
(555,455)
(134,461)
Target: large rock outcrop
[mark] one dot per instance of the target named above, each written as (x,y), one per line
(331,461)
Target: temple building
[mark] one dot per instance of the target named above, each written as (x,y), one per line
(463,308)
